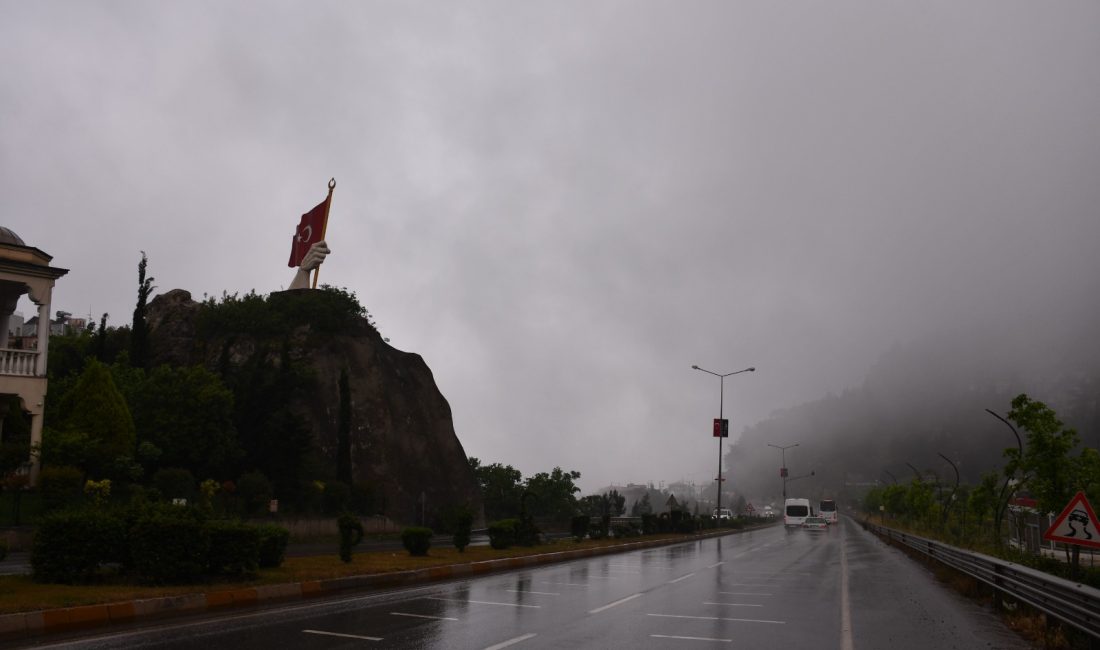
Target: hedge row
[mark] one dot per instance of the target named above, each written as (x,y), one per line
(157,544)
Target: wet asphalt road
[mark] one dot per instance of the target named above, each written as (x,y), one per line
(769,588)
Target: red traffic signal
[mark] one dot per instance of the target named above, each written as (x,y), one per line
(721,428)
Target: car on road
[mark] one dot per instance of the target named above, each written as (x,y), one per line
(815,524)
(723,513)
(768,512)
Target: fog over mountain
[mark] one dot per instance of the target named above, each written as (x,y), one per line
(928,397)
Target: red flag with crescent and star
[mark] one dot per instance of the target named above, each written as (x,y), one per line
(311,229)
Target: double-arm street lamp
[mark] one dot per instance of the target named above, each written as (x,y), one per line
(723,431)
(783,467)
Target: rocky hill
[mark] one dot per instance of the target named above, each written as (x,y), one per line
(402,438)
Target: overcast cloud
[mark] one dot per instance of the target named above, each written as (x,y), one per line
(563,205)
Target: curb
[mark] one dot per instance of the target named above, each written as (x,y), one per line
(27,624)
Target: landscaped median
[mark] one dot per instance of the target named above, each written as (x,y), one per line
(30,608)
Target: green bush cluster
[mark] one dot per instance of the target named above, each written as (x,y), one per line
(273,542)
(502,533)
(462,524)
(417,540)
(156,544)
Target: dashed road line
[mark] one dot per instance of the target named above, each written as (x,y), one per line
(485,602)
(690,638)
(681,578)
(720,618)
(742,593)
(434,618)
(614,604)
(343,636)
(568,584)
(528,591)
(734,604)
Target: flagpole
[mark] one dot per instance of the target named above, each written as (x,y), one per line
(324,225)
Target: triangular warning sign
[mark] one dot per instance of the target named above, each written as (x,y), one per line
(1076,525)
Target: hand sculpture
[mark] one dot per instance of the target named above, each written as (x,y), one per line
(313,259)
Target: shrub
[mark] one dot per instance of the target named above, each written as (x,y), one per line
(60,487)
(273,541)
(234,548)
(527,533)
(351,533)
(3,549)
(596,530)
(502,533)
(578,527)
(169,545)
(649,524)
(417,540)
(462,524)
(629,529)
(72,545)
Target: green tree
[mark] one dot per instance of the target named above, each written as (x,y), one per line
(187,413)
(555,494)
(275,439)
(139,331)
(501,488)
(94,407)
(1046,461)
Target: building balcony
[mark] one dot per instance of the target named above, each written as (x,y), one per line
(18,363)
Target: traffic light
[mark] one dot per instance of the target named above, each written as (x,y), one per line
(721,428)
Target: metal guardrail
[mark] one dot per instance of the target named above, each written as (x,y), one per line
(1070,602)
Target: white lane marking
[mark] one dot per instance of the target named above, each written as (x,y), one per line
(610,605)
(746,584)
(734,604)
(845,607)
(690,638)
(720,618)
(434,618)
(505,644)
(485,602)
(716,564)
(345,636)
(681,578)
(742,593)
(528,591)
(568,584)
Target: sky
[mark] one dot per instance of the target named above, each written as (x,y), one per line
(562,206)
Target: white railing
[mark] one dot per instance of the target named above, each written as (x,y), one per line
(18,362)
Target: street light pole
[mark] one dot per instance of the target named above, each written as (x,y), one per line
(721,398)
(783,468)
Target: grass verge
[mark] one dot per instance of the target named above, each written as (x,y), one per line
(21,594)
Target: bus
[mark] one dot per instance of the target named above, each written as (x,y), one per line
(795,512)
(828,510)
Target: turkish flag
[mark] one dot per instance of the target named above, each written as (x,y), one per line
(310,230)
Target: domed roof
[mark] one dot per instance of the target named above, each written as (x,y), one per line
(9,237)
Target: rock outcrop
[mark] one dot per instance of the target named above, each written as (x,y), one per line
(402,436)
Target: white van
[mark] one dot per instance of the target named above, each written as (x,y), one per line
(795,512)
(827,508)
